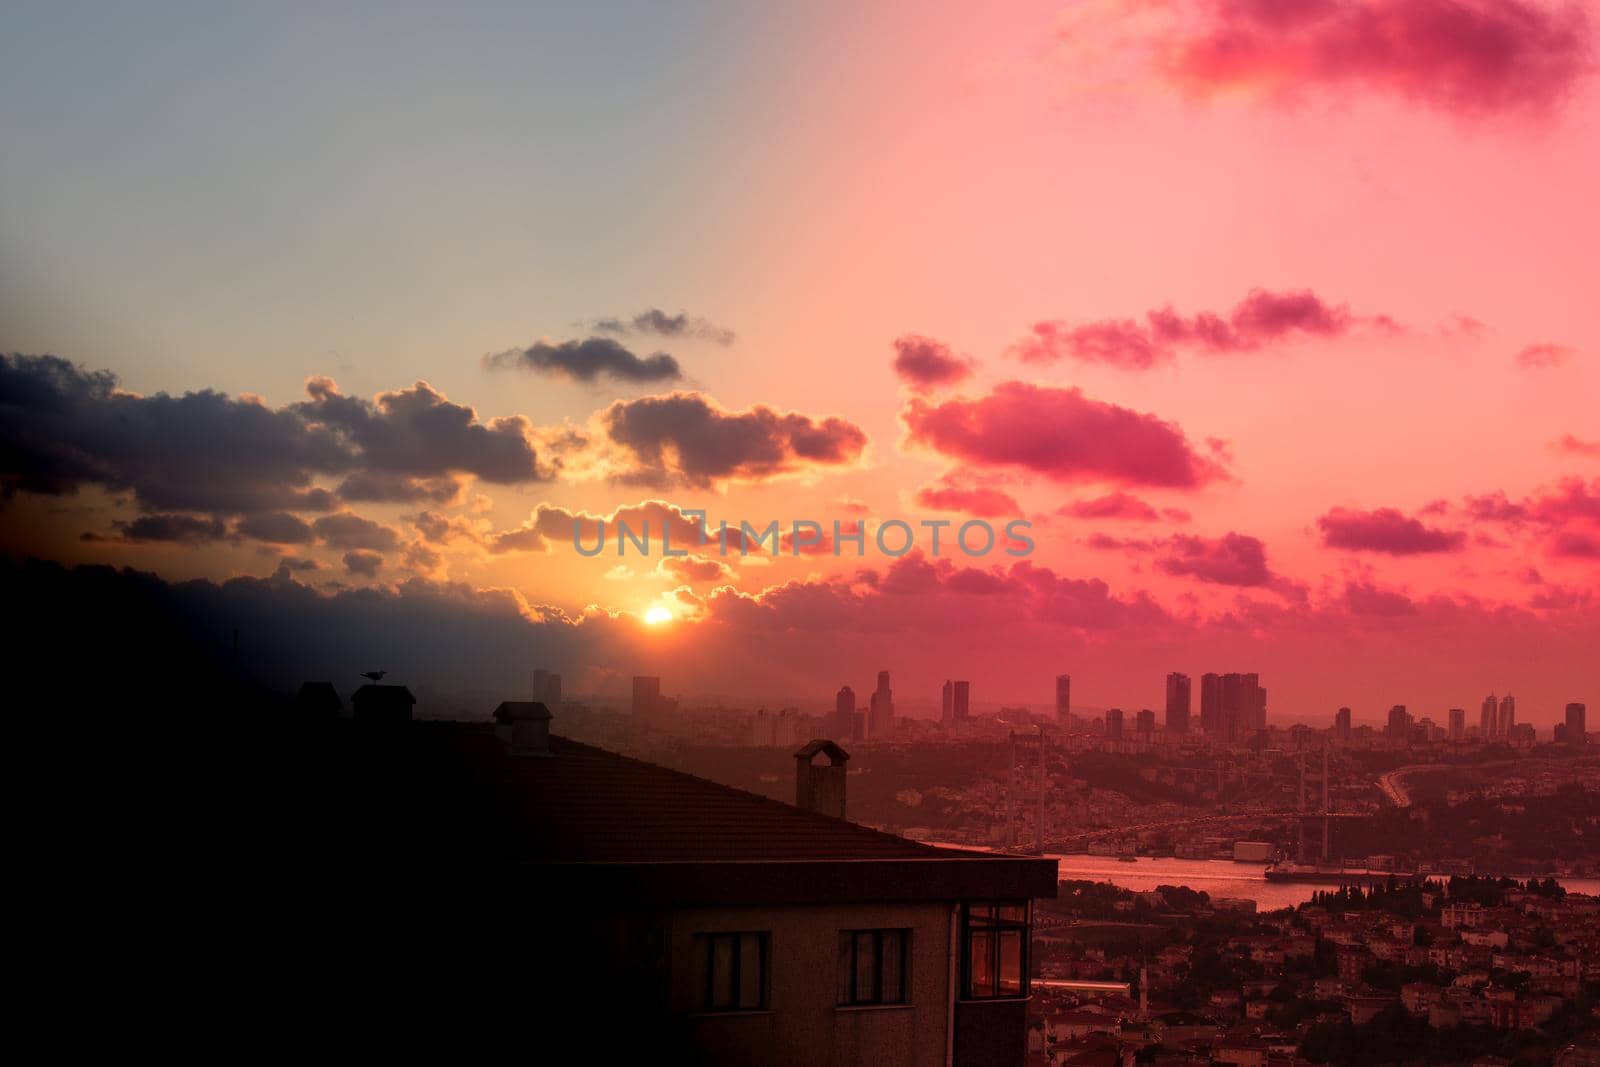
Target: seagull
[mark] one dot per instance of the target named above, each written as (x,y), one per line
(376,676)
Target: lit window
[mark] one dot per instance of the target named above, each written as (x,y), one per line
(732,971)
(873,965)
(994,953)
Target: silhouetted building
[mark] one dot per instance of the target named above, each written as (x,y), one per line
(1177,703)
(1458,723)
(844,713)
(1399,727)
(947,703)
(1063,698)
(1144,724)
(547,687)
(1506,721)
(317,700)
(1341,724)
(374,703)
(1488,722)
(646,696)
(963,701)
(1211,705)
(1577,729)
(722,926)
(1114,724)
(880,710)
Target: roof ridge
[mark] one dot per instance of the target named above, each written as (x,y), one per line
(815,816)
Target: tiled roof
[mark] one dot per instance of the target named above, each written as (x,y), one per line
(453,794)
(587,804)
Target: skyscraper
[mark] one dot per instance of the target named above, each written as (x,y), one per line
(1144,724)
(1487,721)
(1177,703)
(1458,723)
(1399,728)
(963,696)
(1063,698)
(1341,724)
(1239,705)
(1507,717)
(947,702)
(1211,705)
(844,713)
(646,696)
(1114,724)
(1577,726)
(880,710)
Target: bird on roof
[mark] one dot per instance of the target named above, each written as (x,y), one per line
(376,676)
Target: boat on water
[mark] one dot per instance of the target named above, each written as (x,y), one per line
(1323,875)
(1127,857)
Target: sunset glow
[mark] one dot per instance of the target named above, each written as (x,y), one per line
(1279,333)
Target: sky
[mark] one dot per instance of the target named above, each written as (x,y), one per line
(1275,321)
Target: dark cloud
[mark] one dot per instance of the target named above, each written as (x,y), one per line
(275,527)
(182,529)
(590,360)
(1261,318)
(1234,559)
(553,525)
(1469,57)
(348,530)
(686,439)
(925,364)
(389,488)
(418,433)
(361,562)
(62,427)
(1061,434)
(1386,530)
(659,323)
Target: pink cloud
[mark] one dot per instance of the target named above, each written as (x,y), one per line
(1123,506)
(1234,559)
(1385,530)
(1261,318)
(1471,57)
(1572,445)
(1540,356)
(981,501)
(1060,434)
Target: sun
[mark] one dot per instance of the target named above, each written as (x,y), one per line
(657,615)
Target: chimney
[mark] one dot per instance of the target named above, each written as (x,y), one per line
(524,727)
(820,787)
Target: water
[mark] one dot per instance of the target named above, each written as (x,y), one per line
(1220,878)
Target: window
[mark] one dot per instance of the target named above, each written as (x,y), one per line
(994,950)
(732,971)
(873,966)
